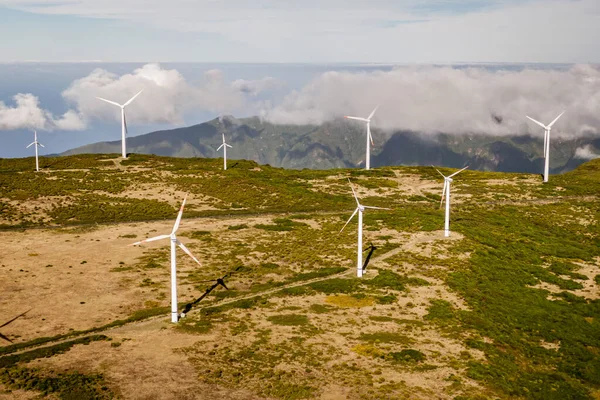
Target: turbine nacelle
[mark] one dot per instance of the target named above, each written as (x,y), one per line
(549,126)
(547,129)
(122,106)
(369,136)
(123,120)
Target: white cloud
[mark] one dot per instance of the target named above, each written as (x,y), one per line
(27,114)
(167,96)
(360,30)
(586,153)
(425,99)
(444,99)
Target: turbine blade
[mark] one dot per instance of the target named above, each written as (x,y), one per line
(125,122)
(369,133)
(131,99)
(228,145)
(151,239)
(537,122)
(222,284)
(555,119)
(178,221)
(187,251)
(377,208)
(220,147)
(373,113)
(349,219)
(438,171)
(41,145)
(30,145)
(18,316)
(109,101)
(354,193)
(356,118)
(458,172)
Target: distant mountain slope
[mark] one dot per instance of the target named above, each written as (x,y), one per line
(339,144)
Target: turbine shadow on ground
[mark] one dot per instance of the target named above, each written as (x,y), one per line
(372,249)
(219,281)
(11,321)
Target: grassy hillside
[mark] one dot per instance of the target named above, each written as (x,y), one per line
(507,307)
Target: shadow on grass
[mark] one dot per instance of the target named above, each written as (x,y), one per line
(218,281)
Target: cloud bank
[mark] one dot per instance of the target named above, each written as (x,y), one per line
(586,153)
(167,96)
(27,114)
(452,100)
(425,99)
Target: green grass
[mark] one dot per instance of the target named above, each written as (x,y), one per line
(320,308)
(407,355)
(386,279)
(386,337)
(511,246)
(333,286)
(194,325)
(281,224)
(289,319)
(44,352)
(66,386)
(237,227)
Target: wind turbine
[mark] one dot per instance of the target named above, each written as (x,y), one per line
(174,242)
(36,143)
(224,146)
(446,191)
(369,137)
(359,209)
(123,120)
(547,130)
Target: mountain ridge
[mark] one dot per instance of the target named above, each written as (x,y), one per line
(340,144)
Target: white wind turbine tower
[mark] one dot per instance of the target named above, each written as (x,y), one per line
(36,144)
(547,130)
(174,242)
(359,209)
(224,146)
(123,120)
(446,191)
(369,137)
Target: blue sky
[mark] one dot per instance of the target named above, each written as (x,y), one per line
(403,31)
